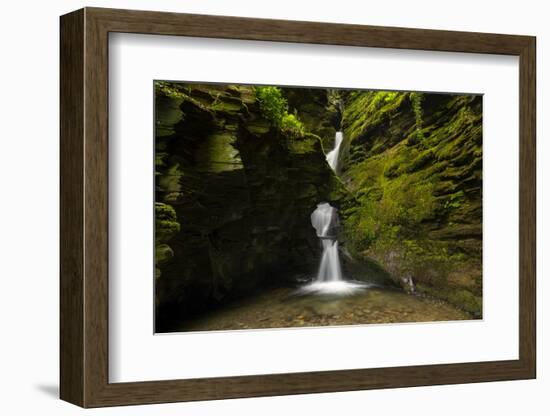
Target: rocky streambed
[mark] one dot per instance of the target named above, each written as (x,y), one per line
(283,308)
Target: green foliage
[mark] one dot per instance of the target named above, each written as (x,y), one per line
(274,107)
(272,103)
(390,96)
(416,100)
(406,201)
(395,205)
(416,182)
(365,109)
(292,127)
(166,223)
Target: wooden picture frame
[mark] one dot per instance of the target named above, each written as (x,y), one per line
(84,207)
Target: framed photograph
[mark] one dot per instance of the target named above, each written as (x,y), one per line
(255,207)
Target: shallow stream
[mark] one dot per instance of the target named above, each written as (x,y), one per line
(285,307)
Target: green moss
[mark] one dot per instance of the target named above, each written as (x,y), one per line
(229,107)
(258,127)
(419,162)
(166,227)
(367,109)
(417,209)
(409,195)
(310,144)
(218,153)
(454,200)
(170,89)
(462,298)
(163,253)
(416,100)
(160,159)
(167,114)
(166,223)
(274,107)
(292,127)
(272,103)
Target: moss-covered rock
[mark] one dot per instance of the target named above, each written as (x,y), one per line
(242,189)
(413,166)
(319,110)
(236,185)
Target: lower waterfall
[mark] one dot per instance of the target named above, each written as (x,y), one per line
(325,221)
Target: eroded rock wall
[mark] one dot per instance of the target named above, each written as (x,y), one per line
(413,165)
(242,193)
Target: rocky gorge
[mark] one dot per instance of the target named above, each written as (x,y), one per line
(239,170)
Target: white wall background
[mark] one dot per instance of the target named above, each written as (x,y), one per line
(29,212)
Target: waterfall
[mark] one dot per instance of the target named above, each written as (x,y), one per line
(325,220)
(332,156)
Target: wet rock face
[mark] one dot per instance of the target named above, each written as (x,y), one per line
(242,193)
(319,109)
(412,163)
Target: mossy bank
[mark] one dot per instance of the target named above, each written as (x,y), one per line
(412,163)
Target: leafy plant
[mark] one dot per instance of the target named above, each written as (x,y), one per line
(274,107)
(272,103)
(416,100)
(291,126)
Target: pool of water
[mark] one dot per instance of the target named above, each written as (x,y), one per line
(303,307)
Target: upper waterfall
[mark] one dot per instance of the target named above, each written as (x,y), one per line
(332,156)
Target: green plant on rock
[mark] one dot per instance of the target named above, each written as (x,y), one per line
(416,100)
(272,103)
(292,127)
(274,107)
(415,175)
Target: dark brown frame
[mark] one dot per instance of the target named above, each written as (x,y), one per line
(84,209)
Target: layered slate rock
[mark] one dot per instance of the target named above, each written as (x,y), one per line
(413,163)
(242,193)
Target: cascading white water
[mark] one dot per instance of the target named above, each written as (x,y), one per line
(325,219)
(332,156)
